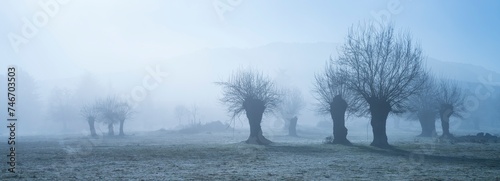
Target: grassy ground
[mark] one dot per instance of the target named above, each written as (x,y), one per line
(164,155)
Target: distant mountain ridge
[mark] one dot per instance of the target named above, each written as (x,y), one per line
(293,64)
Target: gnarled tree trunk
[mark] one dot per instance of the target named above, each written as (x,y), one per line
(445,113)
(254,110)
(428,123)
(121,128)
(111,131)
(338,108)
(292,126)
(379,110)
(91,122)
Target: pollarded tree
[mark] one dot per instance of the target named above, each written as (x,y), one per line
(451,99)
(290,108)
(112,111)
(335,98)
(124,111)
(252,93)
(90,113)
(424,107)
(383,67)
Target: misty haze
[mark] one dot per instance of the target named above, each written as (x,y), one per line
(250,90)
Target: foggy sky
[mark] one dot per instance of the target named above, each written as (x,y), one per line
(104,36)
(117,40)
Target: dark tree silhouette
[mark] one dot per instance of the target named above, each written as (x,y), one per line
(87,89)
(424,107)
(113,111)
(383,67)
(451,103)
(335,98)
(250,92)
(290,108)
(90,113)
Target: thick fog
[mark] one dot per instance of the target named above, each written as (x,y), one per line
(164,57)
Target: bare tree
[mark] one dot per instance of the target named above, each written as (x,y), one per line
(90,113)
(384,68)
(250,92)
(425,107)
(451,99)
(190,116)
(61,106)
(289,109)
(85,94)
(113,111)
(335,98)
(195,118)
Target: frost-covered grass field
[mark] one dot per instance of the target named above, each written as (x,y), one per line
(167,155)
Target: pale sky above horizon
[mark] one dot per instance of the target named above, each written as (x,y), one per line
(118,35)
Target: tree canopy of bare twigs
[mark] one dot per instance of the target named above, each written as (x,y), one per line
(382,65)
(331,83)
(451,96)
(292,103)
(89,111)
(60,107)
(112,110)
(245,85)
(425,100)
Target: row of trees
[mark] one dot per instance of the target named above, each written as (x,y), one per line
(109,111)
(377,72)
(441,98)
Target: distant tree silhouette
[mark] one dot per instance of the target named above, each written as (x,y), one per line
(61,107)
(113,111)
(90,113)
(252,93)
(383,67)
(451,99)
(425,107)
(85,94)
(290,108)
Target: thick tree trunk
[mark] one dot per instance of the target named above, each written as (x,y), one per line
(111,131)
(428,124)
(338,108)
(121,128)
(255,110)
(445,113)
(292,126)
(91,122)
(379,110)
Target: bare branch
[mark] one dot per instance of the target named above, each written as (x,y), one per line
(331,83)
(292,103)
(248,84)
(382,65)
